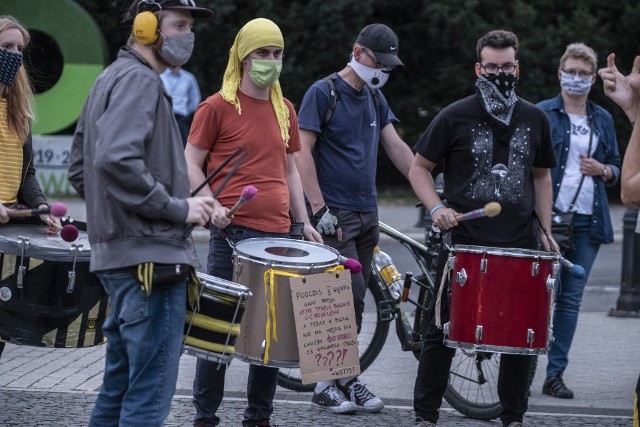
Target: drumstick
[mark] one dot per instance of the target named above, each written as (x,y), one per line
(248,193)
(57,209)
(577,271)
(490,209)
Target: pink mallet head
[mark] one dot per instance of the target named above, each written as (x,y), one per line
(248,193)
(353,265)
(58,209)
(69,233)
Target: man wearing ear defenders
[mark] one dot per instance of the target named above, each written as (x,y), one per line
(248,112)
(337,163)
(127,162)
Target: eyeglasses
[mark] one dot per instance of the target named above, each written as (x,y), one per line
(379,65)
(493,68)
(583,74)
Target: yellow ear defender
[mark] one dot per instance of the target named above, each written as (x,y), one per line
(145,27)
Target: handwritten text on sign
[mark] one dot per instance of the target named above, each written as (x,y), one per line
(325,326)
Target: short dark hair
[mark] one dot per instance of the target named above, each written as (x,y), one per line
(497,39)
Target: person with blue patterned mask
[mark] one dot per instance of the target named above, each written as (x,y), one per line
(586,147)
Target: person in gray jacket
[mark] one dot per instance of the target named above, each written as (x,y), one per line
(128,164)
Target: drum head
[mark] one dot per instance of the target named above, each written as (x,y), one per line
(287,252)
(41,245)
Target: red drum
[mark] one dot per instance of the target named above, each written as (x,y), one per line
(212,327)
(501,299)
(253,258)
(48,297)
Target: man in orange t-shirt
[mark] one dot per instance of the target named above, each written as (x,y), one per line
(248,112)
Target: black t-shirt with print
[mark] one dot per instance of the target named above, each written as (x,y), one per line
(485,161)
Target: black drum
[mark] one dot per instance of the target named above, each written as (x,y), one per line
(211,328)
(48,297)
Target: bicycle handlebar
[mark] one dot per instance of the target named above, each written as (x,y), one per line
(392,232)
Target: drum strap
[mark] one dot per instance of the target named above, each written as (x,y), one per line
(443,282)
(271,328)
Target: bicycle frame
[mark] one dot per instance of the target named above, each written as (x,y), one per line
(390,309)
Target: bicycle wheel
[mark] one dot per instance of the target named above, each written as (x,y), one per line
(473,384)
(371,339)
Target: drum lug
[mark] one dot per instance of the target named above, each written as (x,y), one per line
(556,269)
(483,264)
(478,333)
(461,277)
(452,262)
(445,329)
(237,266)
(22,269)
(75,250)
(551,282)
(535,268)
(263,348)
(531,337)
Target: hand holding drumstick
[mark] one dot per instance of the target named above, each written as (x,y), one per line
(446,218)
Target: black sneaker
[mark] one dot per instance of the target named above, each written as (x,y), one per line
(555,387)
(358,393)
(332,399)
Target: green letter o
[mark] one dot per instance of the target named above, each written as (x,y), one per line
(83,51)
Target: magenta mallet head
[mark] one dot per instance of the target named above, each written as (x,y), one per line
(248,193)
(353,265)
(58,209)
(69,233)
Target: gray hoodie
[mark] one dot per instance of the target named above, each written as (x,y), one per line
(127,162)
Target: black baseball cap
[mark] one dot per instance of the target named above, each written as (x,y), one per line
(382,41)
(154,5)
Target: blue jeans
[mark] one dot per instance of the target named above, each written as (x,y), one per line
(360,235)
(568,295)
(208,384)
(144,340)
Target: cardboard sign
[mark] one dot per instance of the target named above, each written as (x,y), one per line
(325,326)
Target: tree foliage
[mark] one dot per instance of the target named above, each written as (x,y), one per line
(437,45)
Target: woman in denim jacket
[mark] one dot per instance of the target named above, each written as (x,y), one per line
(579,182)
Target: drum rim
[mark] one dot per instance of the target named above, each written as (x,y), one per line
(514,252)
(270,262)
(234,288)
(9,245)
(496,348)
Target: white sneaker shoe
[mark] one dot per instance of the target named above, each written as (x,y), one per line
(358,393)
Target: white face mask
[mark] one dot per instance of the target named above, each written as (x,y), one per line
(375,78)
(575,84)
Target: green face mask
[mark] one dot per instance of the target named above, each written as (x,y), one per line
(265,72)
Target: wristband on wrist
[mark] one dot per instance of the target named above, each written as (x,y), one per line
(604,171)
(436,208)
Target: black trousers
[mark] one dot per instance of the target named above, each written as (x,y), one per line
(435,363)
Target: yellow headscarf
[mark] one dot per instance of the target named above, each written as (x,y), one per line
(255,34)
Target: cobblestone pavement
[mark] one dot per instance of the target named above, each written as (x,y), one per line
(44,408)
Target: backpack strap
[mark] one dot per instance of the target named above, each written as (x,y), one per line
(334,97)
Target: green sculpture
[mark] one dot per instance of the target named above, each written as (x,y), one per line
(83,50)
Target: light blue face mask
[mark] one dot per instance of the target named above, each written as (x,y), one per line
(575,84)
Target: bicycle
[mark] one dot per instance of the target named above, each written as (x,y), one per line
(472,387)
